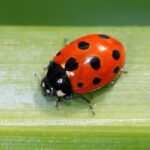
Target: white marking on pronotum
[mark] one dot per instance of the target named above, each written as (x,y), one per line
(60,93)
(47,91)
(102,48)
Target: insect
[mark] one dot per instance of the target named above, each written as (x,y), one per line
(86,64)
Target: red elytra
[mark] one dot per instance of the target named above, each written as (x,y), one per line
(93,61)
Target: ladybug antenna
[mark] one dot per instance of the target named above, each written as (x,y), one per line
(37,77)
(88,101)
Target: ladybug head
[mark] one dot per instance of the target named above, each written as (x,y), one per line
(56,82)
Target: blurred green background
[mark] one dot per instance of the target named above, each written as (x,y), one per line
(75,12)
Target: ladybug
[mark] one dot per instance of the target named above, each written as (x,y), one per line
(86,64)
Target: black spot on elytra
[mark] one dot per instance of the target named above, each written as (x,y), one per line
(96,80)
(104,36)
(115,54)
(95,63)
(58,53)
(82,45)
(117,69)
(80,84)
(71,64)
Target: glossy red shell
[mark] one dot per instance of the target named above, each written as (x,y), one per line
(101,46)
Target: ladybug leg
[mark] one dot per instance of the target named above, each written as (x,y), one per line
(65,42)
(57,102)
(45,68)
(89,102)
(111,83)
(114,81)
(38,78)
(67,97)
(124,70)
(44,93)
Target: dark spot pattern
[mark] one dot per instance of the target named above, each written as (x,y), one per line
(117,69)
(80,84)
(58,53)
(96,80)
(104,36)
(95,63)
(82,45)
(115,54)
(71,64)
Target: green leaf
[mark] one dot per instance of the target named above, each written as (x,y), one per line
(28,120)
